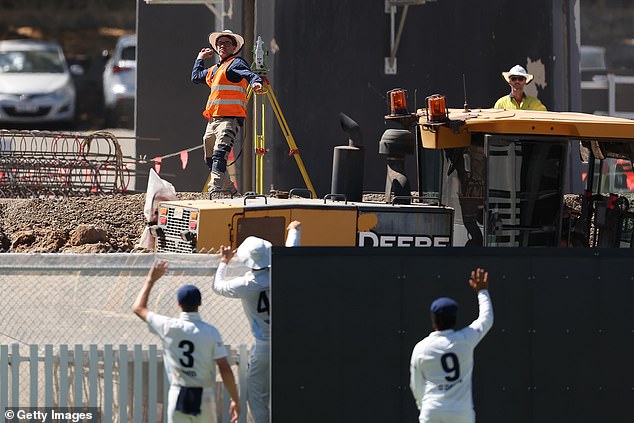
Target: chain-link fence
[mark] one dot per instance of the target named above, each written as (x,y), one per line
(64,299)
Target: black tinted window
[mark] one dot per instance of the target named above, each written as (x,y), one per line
(128,53)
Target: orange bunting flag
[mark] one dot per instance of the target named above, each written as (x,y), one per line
(157,164)
(184,158)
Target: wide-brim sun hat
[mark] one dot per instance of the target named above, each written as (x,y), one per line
(255,253)
(213,37)
(517,70)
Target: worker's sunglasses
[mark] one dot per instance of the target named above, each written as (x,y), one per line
(517,78)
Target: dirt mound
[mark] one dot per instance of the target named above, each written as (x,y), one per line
(99,224)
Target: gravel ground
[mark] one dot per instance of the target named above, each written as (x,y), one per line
(49,225)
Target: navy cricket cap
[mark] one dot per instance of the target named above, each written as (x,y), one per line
(445,307)
(188,296)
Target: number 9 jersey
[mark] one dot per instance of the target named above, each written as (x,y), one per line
(442,364)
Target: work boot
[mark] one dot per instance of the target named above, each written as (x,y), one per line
(215,182)
(221,182)
(230,186)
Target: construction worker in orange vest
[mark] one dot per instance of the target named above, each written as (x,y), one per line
(226,105)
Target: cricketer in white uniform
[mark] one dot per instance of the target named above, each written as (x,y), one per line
(191,350)
(253,290)
(442,364)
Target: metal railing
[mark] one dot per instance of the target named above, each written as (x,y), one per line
(609,82)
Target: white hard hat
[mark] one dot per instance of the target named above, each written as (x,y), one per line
(255,252)
(517,70)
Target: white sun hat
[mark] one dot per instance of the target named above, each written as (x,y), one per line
(213,37)
(517,70)
(255,252)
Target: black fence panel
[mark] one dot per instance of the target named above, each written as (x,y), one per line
(345,321)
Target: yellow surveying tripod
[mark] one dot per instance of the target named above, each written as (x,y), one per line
(259,129)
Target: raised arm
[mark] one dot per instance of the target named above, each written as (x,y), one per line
(479,282)
(479,279)
(294,233)
(158,269)
(199,72)
(232,288)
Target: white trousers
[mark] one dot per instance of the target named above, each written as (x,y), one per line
(258,382)
(207,408)
(440,416)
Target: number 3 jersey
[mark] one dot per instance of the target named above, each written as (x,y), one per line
(190,348)
(442,364)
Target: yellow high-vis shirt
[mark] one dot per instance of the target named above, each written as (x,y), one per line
(528,103)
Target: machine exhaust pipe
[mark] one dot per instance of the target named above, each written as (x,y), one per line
(347,162)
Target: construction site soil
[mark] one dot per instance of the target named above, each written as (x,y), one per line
(97,224)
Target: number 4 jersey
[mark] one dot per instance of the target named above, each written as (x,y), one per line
(190,348)
(253,290)
(442,363)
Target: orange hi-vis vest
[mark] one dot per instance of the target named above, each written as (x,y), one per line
(226,98)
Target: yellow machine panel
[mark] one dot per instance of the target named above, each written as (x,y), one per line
(203,226)
(444,137)
(189,226)
(336,227)
(456,132)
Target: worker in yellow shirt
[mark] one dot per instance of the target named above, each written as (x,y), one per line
(518,78)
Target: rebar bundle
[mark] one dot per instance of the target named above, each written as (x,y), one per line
(44,163)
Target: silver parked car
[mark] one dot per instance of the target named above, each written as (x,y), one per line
(119,83)
(35,83)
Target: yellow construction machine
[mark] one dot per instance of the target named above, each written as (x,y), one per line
(204,225)
(508,178)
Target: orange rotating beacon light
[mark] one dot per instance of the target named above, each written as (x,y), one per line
(436,109)
(398,102)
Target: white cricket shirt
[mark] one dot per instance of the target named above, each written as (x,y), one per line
(253,290)
(190,348)
(442,364)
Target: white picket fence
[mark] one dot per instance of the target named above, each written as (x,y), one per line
(125,384)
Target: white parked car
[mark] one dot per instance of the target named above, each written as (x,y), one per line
(35,83)
(119,83)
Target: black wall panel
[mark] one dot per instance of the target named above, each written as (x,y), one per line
(345,321)
(331,60)
(343,340)
(332,55)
